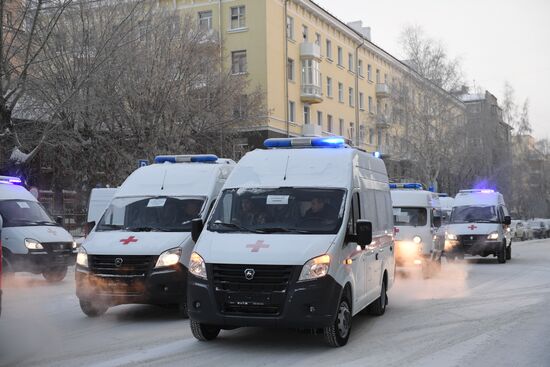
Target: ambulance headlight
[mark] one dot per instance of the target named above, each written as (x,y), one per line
(451,237)
(417,239)
(75,245)
(315,268)
(82,257)
(33,244)
(493,236)
(169,258)
(197,267)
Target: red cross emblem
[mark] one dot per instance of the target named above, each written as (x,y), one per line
(472,227)
(127,241)
(257,246)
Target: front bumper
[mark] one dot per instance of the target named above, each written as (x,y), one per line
(39,261)
(477,248)
(302,305)
(160,286)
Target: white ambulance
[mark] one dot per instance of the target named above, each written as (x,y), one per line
(446,202)
(479,226)
(419,238)
(301,237)
(32,240)
(133,254)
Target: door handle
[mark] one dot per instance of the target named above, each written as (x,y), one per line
(376,256)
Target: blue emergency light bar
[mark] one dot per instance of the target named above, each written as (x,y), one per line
(325,142)
(199,158)
(10,180)
(482,191)
(412,186)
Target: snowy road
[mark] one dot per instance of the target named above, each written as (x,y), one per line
(477,313)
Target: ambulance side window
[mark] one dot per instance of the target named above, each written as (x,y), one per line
(369,206)
(382,213)
(355,213)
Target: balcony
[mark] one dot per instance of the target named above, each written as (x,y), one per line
(311,93)
(382,121)
(312,130)
(310,51)
(382,90)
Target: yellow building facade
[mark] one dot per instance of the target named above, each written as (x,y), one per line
(319,75)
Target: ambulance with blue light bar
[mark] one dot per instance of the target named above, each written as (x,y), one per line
(301,237)
(138,252)
(419,239)
(479,226)
(32,240)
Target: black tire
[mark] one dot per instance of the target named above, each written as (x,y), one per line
(55,275)
(509,252)
(378,307)
(183,311)
(92,309)
(337,334)
(501,255)
(204,332)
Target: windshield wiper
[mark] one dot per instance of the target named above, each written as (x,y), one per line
(105,226)
(237,226)
(145,229)
(282,229)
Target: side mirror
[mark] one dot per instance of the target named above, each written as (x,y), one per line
(197,226)
(437,222)
(364,233)
(507,220)
(59,220)
(88,228)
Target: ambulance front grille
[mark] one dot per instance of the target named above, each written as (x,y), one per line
(121,266)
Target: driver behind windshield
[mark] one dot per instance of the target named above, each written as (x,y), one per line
(319,210)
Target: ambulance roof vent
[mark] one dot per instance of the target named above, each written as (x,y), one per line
(306,142)
(198,158)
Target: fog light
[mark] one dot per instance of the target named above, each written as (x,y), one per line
(417,262)
(197,304)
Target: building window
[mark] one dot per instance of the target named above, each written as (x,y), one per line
(371,136)
(329,123)
(341,127)
(380,137)
(377,76)
(238,17)
(340,56)
(385,78)
(291,111)
(350,62)
(205,21)
(329,86)
(238,62)
(318,39)
(290,69)
(290,28)
(351,97)
(329,49)
(378,107)
(304,33)
(370,104)
(369,72)
(307,115)
(361,101)
(311,77)
(341,92)
(351,130)
(360,67)
(319,118)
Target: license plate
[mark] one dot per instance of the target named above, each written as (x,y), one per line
(248,299)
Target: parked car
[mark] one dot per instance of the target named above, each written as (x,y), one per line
(520,230)
(538,228)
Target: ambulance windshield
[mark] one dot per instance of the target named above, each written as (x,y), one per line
(417,217)
(474,214)
(145,214)
(24,213)
(279,210)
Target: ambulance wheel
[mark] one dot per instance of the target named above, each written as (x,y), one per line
(55,275)
(378,307)
(509,252)
(501,256)
(204,332)
(337,334)
(92,309)
(182,309)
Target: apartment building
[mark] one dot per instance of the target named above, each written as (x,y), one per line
(319,75)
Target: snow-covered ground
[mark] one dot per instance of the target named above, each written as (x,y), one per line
(477,313)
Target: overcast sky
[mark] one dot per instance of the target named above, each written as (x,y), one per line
(496,40)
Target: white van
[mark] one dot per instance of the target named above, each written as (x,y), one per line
(301,237)
(479,226)
(32,240)
(446,202)
(417,217)
(100,198)
(133,254)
